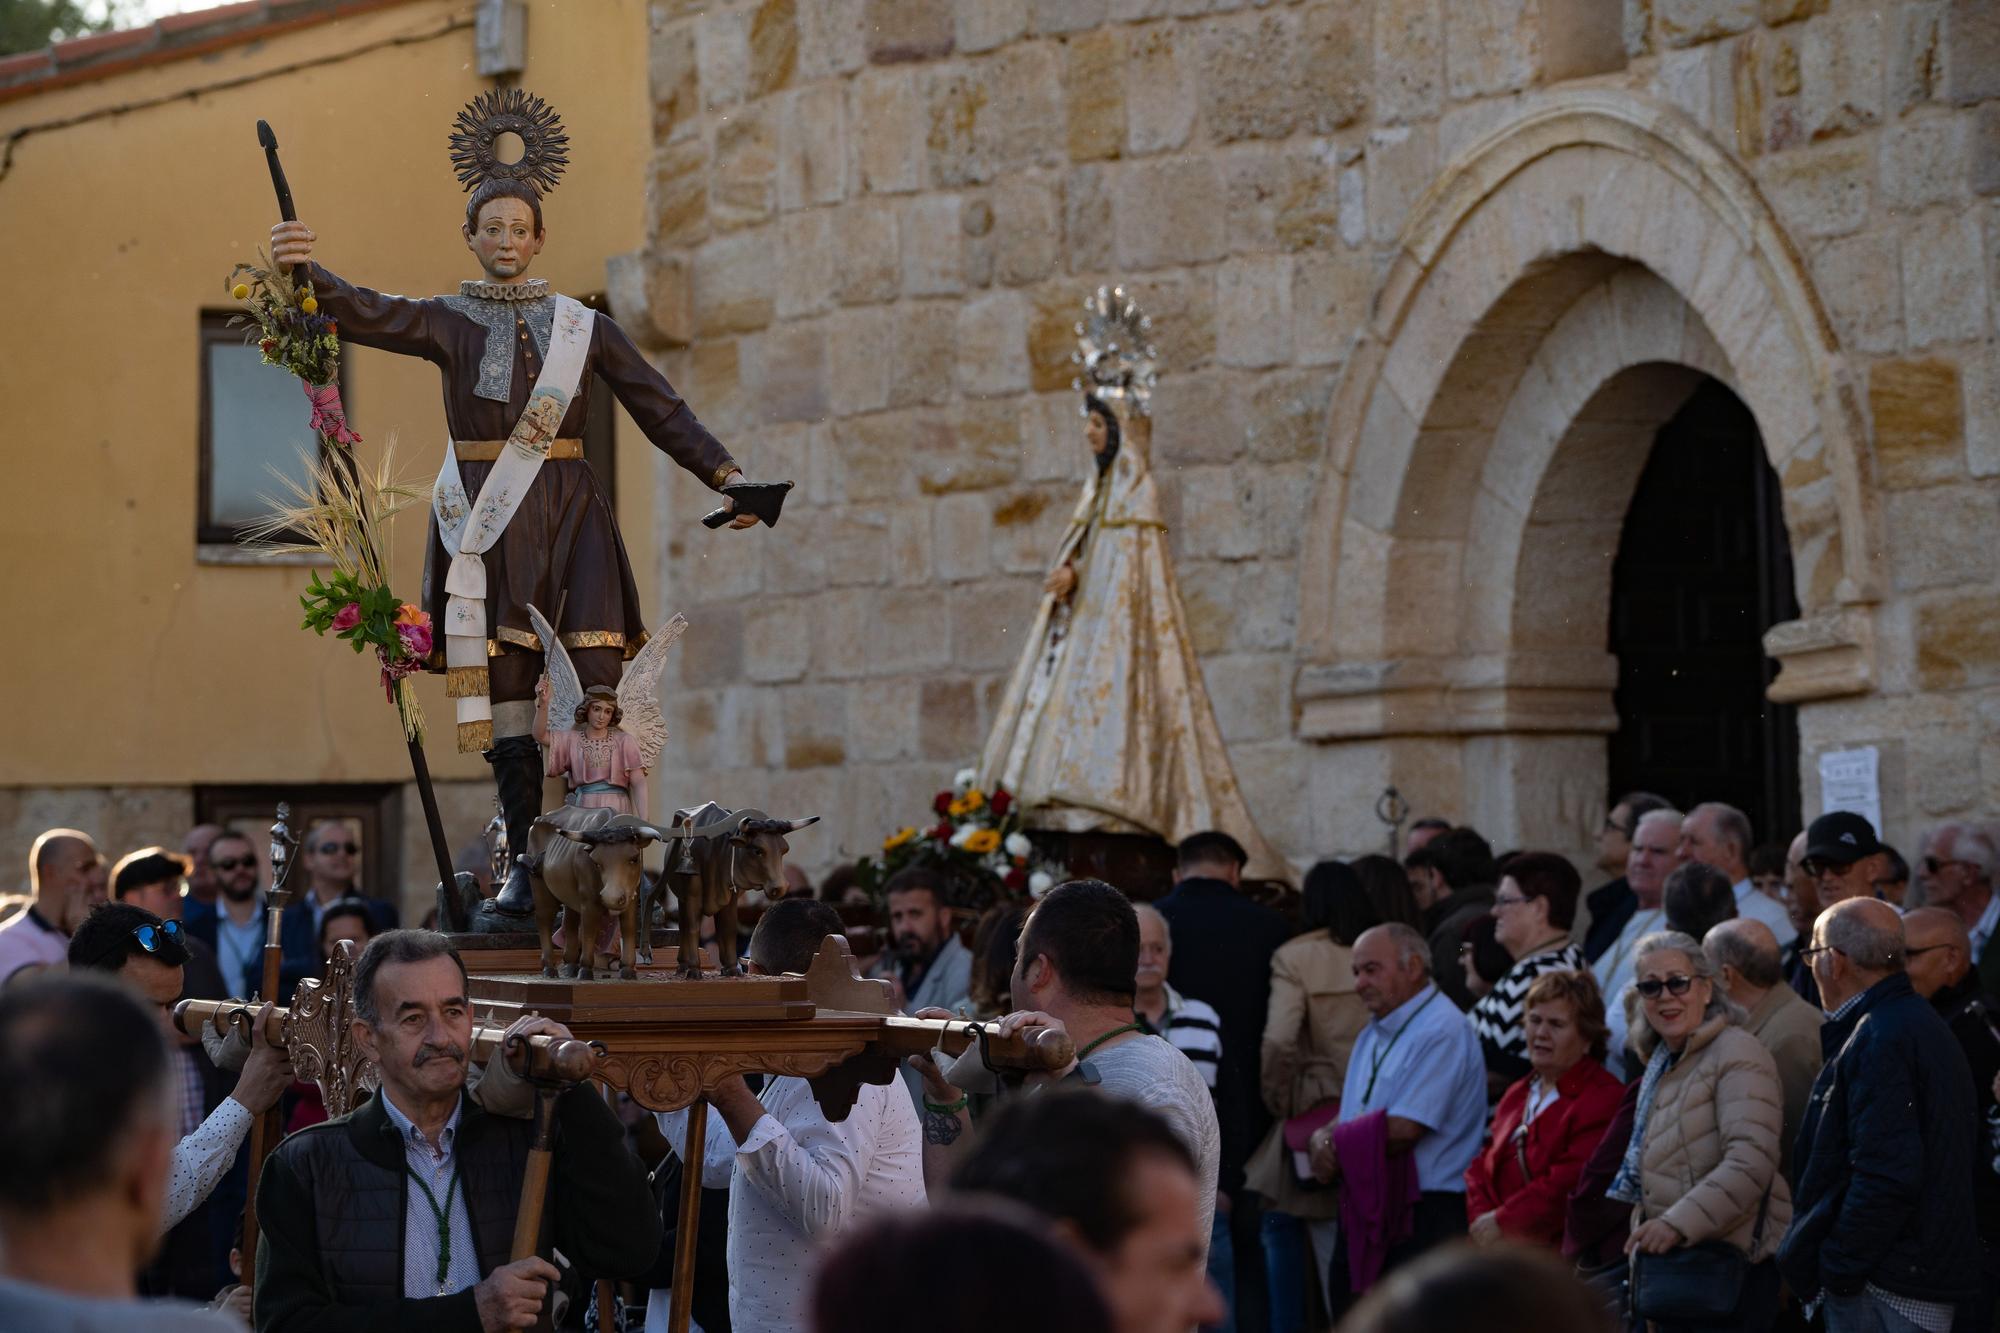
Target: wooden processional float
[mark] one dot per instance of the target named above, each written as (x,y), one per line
(666,1042)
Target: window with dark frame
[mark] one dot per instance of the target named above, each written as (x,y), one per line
(253,424)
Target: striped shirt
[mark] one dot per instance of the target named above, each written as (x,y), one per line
(1194,1029)
(1497,1018)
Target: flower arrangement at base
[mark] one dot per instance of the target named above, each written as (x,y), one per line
(974,842)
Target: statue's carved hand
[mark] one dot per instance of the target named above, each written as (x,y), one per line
(1061,581)
(292,243)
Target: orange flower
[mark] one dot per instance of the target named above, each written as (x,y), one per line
(983,841)
(411,614)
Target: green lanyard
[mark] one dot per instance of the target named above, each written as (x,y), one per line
(1375,1065)
(1115,1032)
(443,1216)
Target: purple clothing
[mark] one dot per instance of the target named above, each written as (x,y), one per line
(1377,1193)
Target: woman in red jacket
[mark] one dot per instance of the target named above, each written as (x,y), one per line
(1548,1123)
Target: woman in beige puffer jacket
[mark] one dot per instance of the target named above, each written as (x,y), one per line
(1710,1151)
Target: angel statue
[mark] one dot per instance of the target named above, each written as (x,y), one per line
(1105,725)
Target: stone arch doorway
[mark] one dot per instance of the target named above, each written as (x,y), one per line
(1558,297)
(1703,571)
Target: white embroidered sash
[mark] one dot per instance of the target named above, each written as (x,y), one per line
(469,529)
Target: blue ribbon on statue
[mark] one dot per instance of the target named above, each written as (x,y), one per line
(592,788)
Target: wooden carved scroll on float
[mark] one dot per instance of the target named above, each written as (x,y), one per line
(320,1035)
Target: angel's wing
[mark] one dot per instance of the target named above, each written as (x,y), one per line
(639,691)
(565,690)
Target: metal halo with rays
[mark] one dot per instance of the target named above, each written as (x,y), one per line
(544,143)
(1114,346)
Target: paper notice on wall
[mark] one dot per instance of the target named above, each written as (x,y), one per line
(1848,781)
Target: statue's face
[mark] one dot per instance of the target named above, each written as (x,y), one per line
(505,239)
(1094,433)
(600,715)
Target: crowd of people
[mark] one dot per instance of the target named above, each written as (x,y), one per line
(1732,1088)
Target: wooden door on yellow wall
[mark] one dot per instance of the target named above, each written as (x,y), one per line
(372,814)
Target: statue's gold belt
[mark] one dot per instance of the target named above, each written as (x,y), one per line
(488,451)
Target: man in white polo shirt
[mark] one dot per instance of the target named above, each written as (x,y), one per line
(1719,835)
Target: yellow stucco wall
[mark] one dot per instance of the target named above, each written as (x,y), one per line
(130,662)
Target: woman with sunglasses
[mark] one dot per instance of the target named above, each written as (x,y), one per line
(1702,1165)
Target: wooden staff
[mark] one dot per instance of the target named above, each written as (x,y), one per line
(680,1308)
(546,1056)
(267,1129)
(1036,1050)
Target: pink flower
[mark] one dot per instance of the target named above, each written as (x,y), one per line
(347,617)
(416,639)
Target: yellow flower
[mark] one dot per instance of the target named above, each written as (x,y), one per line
(241,291)
(983,841)
(310,306)
(903,839)
(973,801)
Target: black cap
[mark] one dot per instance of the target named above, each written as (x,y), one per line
(1841,837)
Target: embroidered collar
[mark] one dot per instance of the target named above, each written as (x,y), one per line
(534,289)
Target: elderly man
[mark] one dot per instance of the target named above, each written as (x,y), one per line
(1190,1026)
(1939,951)
(1745,956)
(1417,1065)
(1718,835)
(1606,909)
(399,1215)
(1956,870)
(61,866)
(1655,855)
(1844,857)
(86,1112)
(796,1180)
(1883,1226)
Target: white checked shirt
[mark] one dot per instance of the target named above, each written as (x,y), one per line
(203,1158)
(796,1183)
(420,1226)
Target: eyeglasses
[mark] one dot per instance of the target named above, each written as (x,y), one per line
(1674,985)
(1811,951)
(1499,902)
(229,863)
(331,848)
(1613,826)
(151,938)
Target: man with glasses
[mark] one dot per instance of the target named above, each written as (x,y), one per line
(1655,855)
(147,954)
(61,865)
(330,857)
(236,931)
(1956,871)
(1843,857)
(1883,1226)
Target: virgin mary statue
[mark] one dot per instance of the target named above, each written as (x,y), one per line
(1106,725)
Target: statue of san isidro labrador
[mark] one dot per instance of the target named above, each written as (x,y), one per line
(586,861)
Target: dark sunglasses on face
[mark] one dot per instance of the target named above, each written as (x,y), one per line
(1675,985)
(229,863)
(330,848)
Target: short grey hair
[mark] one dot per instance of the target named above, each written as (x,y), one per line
(1956,840)
(397,946)
(1409,942)
(1656,816)
(1748,946)
(1869,947)
(1642,1036)
(1731,825)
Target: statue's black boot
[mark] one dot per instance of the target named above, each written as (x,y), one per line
(517,774)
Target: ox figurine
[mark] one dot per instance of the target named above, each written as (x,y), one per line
(723,853)
(586,861)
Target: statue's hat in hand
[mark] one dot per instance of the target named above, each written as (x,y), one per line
(476,134)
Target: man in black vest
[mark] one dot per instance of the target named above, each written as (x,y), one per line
(399,1215)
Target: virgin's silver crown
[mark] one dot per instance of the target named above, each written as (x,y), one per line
(1114,346)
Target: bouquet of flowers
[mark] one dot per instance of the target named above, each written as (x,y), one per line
(341,512)
(976,843)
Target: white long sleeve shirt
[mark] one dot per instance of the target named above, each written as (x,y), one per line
(203,1158)
(796,1182)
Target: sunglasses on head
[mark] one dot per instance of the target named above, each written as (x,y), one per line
(329,848)
(1676,985)
(229,863)
(150,938)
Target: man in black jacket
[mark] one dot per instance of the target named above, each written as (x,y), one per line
(1453,877)
(400,1214)
(1883,1233)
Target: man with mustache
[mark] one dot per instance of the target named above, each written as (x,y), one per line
(427,1161)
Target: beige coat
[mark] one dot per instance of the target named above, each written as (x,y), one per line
(1789,1029)
(1711,1146)
(1309,1031)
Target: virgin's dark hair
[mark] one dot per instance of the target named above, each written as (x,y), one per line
(1098,408)
(1334,899)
